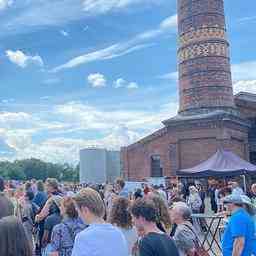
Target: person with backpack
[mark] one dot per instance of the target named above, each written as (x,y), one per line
(63,234)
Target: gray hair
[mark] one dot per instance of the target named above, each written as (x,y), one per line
(183,209)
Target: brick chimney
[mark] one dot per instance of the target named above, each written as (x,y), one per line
(203,57)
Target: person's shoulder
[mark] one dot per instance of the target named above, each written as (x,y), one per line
(85,234)
(153,237)
(240,215)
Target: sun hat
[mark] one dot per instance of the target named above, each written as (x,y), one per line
(240,199)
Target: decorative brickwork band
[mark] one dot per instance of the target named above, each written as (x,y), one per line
(203,56)
(202,34)
(203,50)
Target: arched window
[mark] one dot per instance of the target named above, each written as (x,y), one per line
(156,167)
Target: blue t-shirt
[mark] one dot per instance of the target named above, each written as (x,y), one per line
(100,240)
(240,225)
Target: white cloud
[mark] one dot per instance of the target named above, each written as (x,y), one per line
(35,14)
(122,83)
(244,71)
(23,60)
(64,33)
(5,4)
(245,86)
(120,49)
(114,128)
(132,86)
(244,76)
(170,22)
(166,26)
(110,52)
(247,19)
(97,80)
(95,7)
(62,149)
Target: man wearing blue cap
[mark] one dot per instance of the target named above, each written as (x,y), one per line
(238,238)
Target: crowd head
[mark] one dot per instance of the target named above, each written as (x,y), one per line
(89,204)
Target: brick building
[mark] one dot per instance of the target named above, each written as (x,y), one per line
(209,116)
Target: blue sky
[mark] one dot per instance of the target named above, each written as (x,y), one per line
(77,73)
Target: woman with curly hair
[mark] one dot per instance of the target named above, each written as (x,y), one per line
(163,217)
(120,216)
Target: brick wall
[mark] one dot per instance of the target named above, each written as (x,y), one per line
(192,145)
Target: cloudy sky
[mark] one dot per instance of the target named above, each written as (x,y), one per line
(77,73)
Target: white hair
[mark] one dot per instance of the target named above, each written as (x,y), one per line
(183,209)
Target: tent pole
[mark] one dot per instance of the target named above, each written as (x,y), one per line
(244,181)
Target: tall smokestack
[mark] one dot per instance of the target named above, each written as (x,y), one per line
(203,57)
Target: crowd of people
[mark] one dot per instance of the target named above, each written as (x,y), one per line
(54,219)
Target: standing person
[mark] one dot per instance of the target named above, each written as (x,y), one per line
(63,234)
(40,199)
(109,196)
(28,213)
(238,238)
(13,239)
(195,203)
(53,219)
(162,193)
(15,201)
(100,238)
(163,217)
(52,189)
(6,206)
(253,193)
(121,217)
(211,192)
(236,190)
(146,189)
(194,200)
(202,195)
(40,195)
(185,234)
(28,187)
(120,188)
(34,186)
(138,194)
(154,241)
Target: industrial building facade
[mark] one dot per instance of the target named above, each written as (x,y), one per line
(210,117)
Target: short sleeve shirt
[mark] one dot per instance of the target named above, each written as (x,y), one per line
(100,240)
(240,225)
(155,244)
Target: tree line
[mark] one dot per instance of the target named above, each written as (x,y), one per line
(28,169)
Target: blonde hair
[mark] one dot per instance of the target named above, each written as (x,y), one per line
(91,199)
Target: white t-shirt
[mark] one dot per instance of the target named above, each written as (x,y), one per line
(100,240)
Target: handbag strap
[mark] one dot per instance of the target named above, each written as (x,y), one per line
(196,236)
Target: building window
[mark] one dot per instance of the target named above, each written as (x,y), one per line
(156,167)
